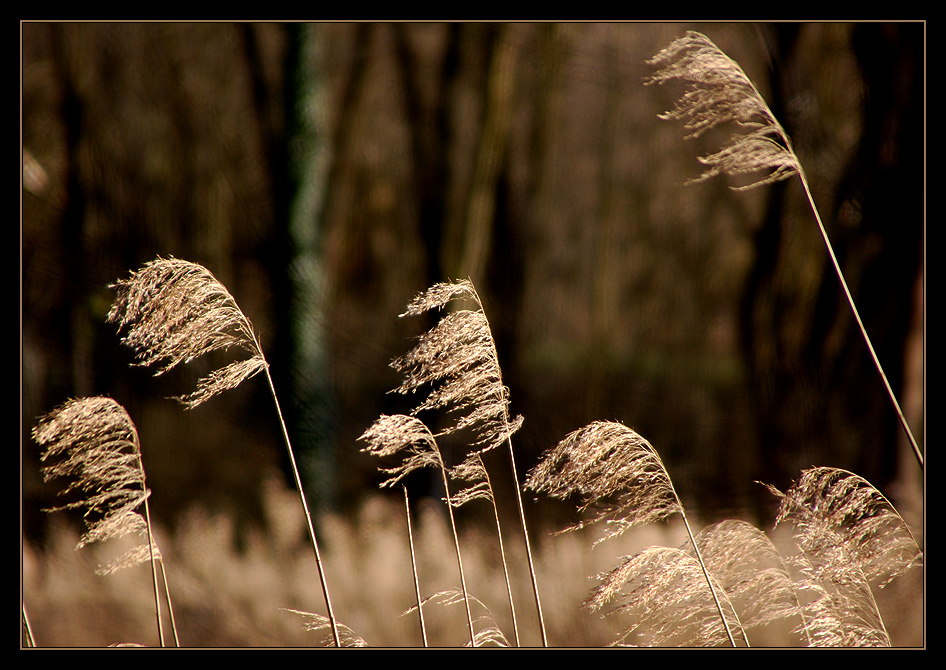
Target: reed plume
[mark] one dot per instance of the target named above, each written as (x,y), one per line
(392,434)
(663,591)
(611,470)
(481,488)
(609,466)
(489,633)
(849,535)
(174,311)
(456,361)
(317,623)
(751,571)
(94,443)
(720,92)
(844,520)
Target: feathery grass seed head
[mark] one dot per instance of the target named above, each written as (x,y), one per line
(719,92)
(391,434)
(174,311)
(94,443)
(842,522)
(749,569)
(457,359)
(609,465)
(664,592)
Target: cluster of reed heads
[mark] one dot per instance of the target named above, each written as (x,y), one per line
(723,583)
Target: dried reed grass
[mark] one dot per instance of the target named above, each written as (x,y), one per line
(173,311)
(722,583)
(719,92)
(849,536)
(609,465)
(94,443)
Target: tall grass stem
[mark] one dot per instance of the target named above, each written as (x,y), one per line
(860,324)
(305,509)
(410,540)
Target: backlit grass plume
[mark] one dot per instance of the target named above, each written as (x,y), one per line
(318,623)
(457,359)
(662,590)
(849,536)
(752,572)
(612,471)
(840,517)
(393,434)
(174,311)
(610,467)
(719,92)
(94,444)
(457,363)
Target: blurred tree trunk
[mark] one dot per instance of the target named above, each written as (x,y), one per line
(289,136)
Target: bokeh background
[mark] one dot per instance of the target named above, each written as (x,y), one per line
(327,173)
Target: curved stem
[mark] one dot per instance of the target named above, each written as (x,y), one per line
(699,556)
(456,539)
(305,509)
(860,324)
(709,581)
(525,535)
(502,552)
(515,481)
(410,539)
(30,642)
(154,568)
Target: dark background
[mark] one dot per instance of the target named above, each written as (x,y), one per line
(327,173)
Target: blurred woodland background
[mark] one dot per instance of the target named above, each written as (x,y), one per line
(327,173)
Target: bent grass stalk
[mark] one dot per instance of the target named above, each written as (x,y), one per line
(94,442)
(27,630)
(458,358)
(719,92)
(174,311)
(752,572)
(849,534)
(391,434)
(607,461)
(410,542)
(474,470)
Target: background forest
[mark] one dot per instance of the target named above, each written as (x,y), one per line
(327,173)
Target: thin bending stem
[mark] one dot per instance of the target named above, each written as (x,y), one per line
(167,591)
(502,552)
(154,569)
(699,557)
(515,481)
(456,539)
(525,535)
(410,538)
(30,642)
(709,581)
(860,324)
(305,509)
